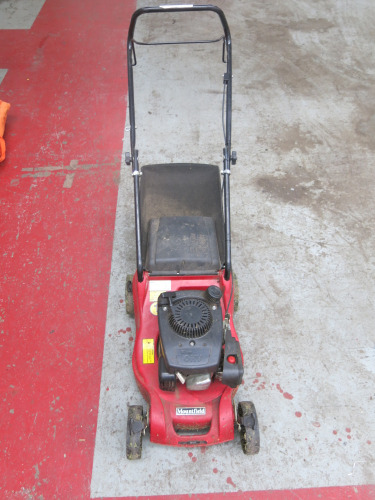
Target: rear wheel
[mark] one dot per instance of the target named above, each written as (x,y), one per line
(134,432)
(129,301)
(249,428)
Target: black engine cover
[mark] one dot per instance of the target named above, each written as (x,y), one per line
(191,330)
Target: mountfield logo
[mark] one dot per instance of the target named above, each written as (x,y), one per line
(190,411)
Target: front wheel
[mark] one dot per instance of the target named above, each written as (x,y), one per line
(247,421)
(134,431)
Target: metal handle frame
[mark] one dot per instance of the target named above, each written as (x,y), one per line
(228,158)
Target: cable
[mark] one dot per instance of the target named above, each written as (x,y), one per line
(230,298)
(222,114)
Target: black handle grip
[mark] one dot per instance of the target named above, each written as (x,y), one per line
(178,8)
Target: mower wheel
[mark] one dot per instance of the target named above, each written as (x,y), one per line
(249,428)
(236,292)
(134,431)
(129,301)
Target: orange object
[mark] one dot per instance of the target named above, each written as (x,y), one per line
(4,108)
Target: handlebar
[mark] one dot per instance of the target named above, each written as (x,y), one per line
(228,157)
(179,8)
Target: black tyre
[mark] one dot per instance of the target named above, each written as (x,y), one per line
(134,431)
(248,427)
(129,301)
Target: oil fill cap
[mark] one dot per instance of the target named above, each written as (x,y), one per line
(213,294)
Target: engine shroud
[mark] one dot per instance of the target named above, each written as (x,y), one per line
(191,331)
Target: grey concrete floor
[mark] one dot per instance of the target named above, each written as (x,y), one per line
(3,72)
(18,14)
(303,244)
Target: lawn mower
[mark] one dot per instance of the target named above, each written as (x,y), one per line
(187,359)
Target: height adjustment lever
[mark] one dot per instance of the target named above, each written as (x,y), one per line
(128,158)
(234,157)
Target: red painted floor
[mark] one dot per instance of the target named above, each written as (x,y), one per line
(67,84)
